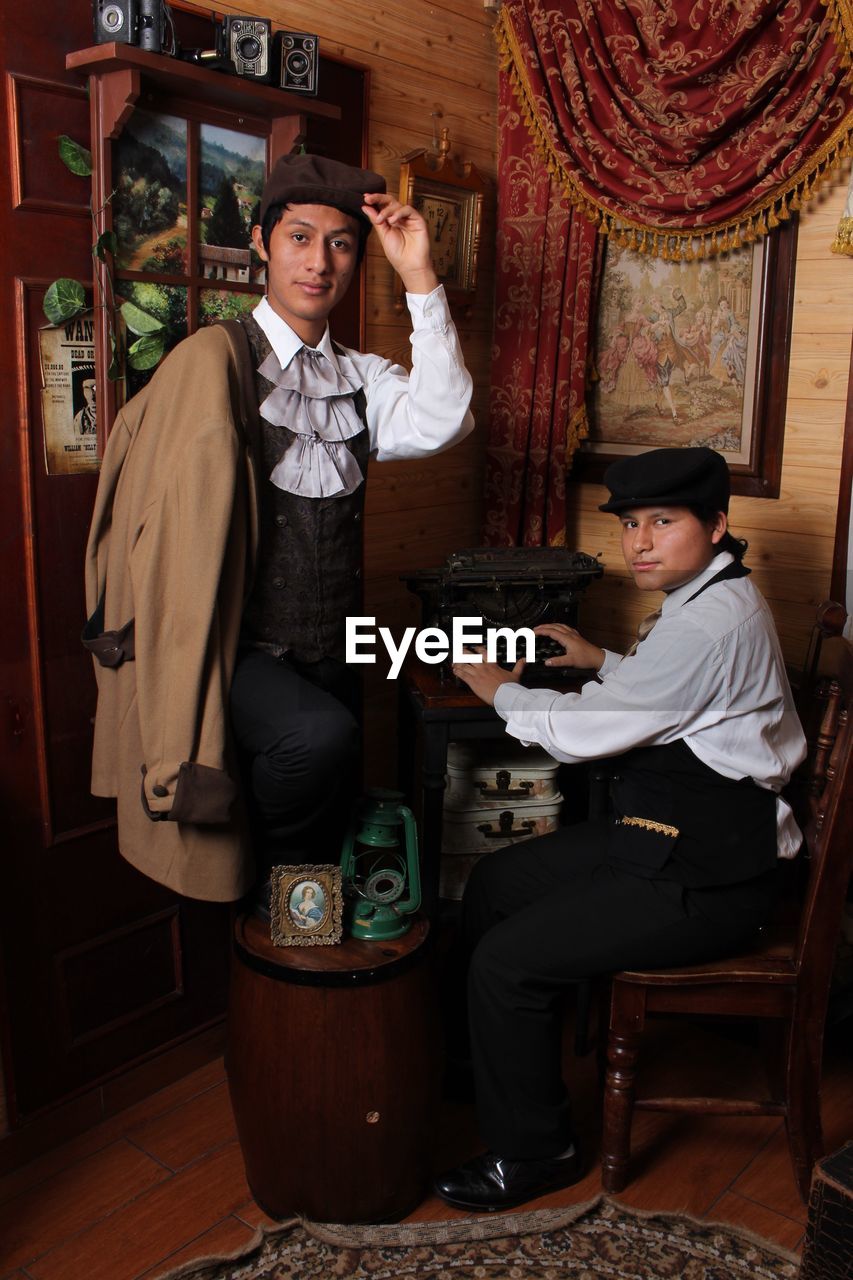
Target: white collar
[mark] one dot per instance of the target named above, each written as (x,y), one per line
(680,595)
(284,341)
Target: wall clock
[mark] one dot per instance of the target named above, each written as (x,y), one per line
(451,201)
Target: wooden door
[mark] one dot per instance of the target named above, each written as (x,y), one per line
(100,967)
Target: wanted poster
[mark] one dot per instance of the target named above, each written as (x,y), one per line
(69,397)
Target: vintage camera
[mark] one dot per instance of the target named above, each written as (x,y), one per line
(115,20)
(139,22)
(152,17)
(246,44)
(297,57)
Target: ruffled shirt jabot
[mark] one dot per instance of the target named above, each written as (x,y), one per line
(314,398)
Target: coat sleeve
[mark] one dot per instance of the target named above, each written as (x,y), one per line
(186,630)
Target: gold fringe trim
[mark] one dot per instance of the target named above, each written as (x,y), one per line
(840,13)
(843,242)
(577,429)
(673,244)
(661,828)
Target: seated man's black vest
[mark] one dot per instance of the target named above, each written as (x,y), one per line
(308,576)
(675,817)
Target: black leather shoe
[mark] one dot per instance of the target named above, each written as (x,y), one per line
(491,1181)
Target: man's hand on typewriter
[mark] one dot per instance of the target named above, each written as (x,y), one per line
(577,651)
(485,678)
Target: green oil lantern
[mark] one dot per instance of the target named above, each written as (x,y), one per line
(379,868)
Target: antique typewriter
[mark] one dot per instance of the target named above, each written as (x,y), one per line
(507,587)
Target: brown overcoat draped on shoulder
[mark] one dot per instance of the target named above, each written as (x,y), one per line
(172,545)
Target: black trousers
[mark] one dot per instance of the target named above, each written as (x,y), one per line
(297,734)
(547,912)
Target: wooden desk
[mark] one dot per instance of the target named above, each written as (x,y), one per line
(435,709)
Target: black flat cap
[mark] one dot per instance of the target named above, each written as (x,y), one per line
(668,477)
(306,179)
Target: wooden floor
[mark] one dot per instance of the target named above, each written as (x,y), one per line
(163,1183)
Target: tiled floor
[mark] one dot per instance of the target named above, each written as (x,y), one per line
(163,1182)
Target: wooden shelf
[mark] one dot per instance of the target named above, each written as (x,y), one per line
(123,78)
(203,84)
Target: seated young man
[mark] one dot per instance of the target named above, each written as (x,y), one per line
(698,725)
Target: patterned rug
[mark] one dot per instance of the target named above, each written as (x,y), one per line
(600,1240)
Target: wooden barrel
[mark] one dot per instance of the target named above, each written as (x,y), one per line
(333,1062)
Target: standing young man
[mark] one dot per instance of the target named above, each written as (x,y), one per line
(226,547)
(698,724)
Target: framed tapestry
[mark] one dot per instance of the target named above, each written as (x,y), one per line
(694,353)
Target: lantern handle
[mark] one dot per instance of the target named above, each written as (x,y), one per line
(413,863)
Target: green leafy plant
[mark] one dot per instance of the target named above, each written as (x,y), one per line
(66,298)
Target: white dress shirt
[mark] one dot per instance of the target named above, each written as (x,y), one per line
(711,672)
(409,415)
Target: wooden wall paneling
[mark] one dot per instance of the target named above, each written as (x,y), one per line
(427,482)
(841,567)
(40,181)
(818,370)
(814,431)
(63,683)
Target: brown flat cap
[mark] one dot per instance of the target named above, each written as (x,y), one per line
(306,179)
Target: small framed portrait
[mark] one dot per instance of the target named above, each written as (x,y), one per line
(306,906)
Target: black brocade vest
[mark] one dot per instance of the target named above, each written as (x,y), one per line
(695,826)
(308,575)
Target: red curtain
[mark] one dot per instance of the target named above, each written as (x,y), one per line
(684,128)
(546,252)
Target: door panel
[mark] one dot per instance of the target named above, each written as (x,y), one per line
(101,967)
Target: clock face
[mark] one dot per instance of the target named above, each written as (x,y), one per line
(443,218)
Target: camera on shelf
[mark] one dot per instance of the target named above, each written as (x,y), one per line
(296,61)
(246,44)
(140,22)
(247,47)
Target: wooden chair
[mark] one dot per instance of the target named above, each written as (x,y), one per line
(830,622)
(787,978)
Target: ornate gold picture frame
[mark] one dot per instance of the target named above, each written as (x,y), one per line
(306,906)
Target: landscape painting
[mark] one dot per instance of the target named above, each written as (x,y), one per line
(232,168)
(149,204)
